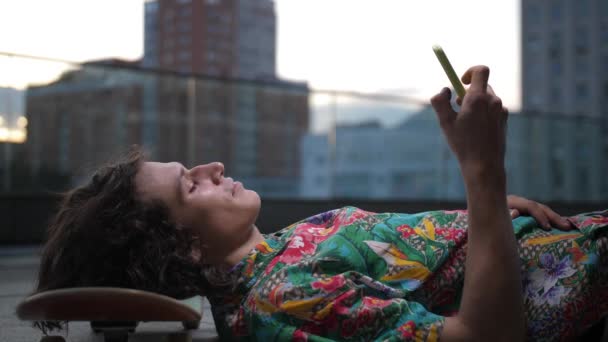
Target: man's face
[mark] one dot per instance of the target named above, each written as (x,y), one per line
(217,209)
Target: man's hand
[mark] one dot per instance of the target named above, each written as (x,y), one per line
(492,306)
(477,134)
(540,212)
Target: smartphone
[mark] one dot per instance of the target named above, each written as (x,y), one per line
(447,67)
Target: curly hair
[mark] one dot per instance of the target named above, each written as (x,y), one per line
(103,235)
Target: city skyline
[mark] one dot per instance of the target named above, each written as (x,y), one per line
(369,49)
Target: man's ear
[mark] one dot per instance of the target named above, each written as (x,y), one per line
(195,253)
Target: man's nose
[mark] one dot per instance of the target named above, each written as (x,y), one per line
(213,170)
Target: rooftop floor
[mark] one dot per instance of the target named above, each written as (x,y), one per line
(18,269)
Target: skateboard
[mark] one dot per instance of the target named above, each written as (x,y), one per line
(113,312)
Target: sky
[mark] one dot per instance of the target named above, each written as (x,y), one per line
(375,46)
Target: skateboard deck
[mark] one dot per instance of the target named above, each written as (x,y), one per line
(115,312)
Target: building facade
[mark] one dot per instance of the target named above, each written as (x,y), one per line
(368,161)
(413,161)
(83,119)
(565,85)
(565,57)
(212,95)
(227,38)
(90,115)
(237,123)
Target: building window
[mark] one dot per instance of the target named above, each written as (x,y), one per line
(151,7)
(581,91)
(184,12)
(581,8)
(581,38)
(184,26)
(581,49)
(581,94)
(557,11)
(184,40)
(535,72)
(583,182)
(533,13)
(169,15)
(557,173)
(536,99)
(604,35)
(555,51)
(556,68)
(581,65)
(556,95)
(533,42)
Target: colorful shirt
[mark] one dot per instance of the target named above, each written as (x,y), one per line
(351,274)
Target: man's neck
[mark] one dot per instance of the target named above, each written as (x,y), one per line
(254,238)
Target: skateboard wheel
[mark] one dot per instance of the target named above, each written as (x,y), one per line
(102,326)
(52,339)
(191,325)
(116,336)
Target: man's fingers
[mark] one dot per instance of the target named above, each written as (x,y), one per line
(554,217)
(443,107)
(491,90)
(539,215)
(477,77)
(495,105)
(514,213)
(497,102)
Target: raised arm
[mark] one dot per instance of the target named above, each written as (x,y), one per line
(492,305)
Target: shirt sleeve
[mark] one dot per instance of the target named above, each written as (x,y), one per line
(338,307)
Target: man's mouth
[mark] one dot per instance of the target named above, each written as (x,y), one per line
(235,187)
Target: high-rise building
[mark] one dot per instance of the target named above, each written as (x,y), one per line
(93,113)
(83,119)
(229,38)
(565,81)
(565,57)
(409,161)
(235,122)
(254,127)
(413,161)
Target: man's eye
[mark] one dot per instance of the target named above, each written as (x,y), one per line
(192,187)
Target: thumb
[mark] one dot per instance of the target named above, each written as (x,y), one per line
(442,106)
(514,213)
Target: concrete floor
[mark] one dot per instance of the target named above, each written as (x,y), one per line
(18,267)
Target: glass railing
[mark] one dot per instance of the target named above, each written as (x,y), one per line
(278,137)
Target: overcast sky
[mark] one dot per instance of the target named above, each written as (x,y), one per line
(361,45)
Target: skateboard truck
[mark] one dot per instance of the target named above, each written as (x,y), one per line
(114,312)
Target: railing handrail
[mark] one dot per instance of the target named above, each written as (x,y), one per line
(295,84)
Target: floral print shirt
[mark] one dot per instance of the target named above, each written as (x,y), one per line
(349,274)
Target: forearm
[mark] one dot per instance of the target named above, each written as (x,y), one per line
(492,301)
(491,308)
